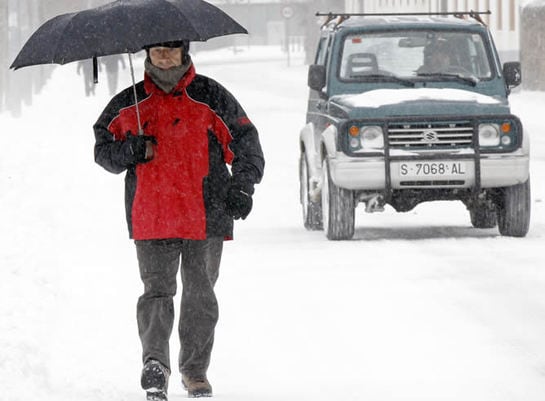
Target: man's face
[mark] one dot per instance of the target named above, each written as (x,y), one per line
(165,57)
(440,61)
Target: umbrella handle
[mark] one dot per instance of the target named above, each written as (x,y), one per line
(95,70)
(140,130)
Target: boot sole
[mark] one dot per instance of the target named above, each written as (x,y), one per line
(199,395)
(154,383)
(196,394)
(203,393)
(156,396)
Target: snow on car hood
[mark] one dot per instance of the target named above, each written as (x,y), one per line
(382,97)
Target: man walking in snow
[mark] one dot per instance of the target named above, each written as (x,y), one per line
(181,200)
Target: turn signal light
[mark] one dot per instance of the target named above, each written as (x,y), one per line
(354,131)
(506,127)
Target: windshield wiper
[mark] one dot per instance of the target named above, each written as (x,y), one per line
(461,78)
(388,77)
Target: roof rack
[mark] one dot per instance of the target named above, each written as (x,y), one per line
(458,14)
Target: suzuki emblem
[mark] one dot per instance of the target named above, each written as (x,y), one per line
(429,136)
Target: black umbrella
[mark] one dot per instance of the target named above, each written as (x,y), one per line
(123,26)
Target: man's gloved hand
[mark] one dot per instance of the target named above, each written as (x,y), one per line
(238,203)
(139,148)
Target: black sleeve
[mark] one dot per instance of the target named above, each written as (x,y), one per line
(111,154)
(248,163)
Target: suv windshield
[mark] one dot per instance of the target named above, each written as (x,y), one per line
(424,54)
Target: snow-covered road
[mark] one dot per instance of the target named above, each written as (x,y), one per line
(419,306)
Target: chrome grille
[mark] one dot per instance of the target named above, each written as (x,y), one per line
(430,135)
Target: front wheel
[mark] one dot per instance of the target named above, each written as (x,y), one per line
(338,208)
(312,211)
(513,210)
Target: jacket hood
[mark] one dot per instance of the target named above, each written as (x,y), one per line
(417,101)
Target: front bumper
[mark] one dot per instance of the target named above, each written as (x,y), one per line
(486,171)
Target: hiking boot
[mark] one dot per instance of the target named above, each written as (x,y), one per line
(155,380)
(197,386)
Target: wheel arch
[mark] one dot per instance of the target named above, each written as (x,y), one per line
(328,145)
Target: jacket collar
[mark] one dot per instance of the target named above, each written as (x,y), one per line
(151,88)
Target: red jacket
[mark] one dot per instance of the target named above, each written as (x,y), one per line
(199,128)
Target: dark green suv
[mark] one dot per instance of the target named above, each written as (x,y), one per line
(408,109)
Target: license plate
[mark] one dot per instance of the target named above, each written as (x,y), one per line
(432,169)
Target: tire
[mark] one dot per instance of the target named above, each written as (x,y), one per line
(482,216)
(338,208)
(513,210)
(312,211)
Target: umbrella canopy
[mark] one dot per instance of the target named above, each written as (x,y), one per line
(123,26)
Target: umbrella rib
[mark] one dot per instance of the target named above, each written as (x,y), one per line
(189,21)
(56,52)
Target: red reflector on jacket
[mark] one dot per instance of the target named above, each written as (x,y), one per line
(244,121)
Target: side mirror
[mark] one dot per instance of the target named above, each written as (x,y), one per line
(512,73)
(316,77)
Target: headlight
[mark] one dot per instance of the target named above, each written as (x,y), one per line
(371,137)
(366,138)
(489,135)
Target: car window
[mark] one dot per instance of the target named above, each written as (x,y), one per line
(415,53)
(321,54)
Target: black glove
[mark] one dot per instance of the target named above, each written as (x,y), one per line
(238,203)
(135,147)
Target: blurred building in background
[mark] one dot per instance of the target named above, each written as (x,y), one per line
(286,23)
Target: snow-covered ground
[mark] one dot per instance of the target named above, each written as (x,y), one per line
(419,306)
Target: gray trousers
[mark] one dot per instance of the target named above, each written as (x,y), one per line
(159,261)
